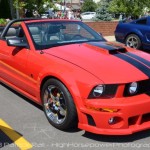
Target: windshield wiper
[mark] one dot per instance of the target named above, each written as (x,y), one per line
(73,41)
(97,40)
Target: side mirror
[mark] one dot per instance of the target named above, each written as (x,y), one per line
(17,42)
(100,34)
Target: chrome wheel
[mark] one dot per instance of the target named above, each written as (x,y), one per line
(133,41)
(55,105)
(58,105)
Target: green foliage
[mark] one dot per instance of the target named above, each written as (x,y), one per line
(19,4)
(129,7)
(88,5)
(3,21)
(38,5)
(33,5)
(102,12)
(4,9)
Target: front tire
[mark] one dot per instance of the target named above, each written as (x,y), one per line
(58,105)
(133,41)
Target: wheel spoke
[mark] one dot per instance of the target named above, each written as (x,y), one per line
(54,103)
(133,41)
(62,111)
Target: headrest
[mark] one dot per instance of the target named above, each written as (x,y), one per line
(11,32)
(53,29)
(34,30)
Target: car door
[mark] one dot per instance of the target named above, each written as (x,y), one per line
(143,25)
(147,34)
(13,61)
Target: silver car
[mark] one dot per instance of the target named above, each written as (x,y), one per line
(88,15)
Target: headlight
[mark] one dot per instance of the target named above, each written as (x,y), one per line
(98,91)
(103,91)
(133,88)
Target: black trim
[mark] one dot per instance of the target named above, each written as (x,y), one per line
(146,62)
(109,92)
(143,87)
(135,63)
(90,120)
(3,34)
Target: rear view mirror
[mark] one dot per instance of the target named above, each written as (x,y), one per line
(17,42)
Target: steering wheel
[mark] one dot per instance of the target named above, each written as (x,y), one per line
(77,37)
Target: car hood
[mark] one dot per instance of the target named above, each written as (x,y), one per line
(107,61)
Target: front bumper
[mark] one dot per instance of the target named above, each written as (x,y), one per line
(130,114)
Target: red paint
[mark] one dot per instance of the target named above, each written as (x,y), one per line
(80,68)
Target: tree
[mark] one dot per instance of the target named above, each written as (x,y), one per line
(19,5)
(129,7)
(5,9)
(31,5)
(12,9)
(88,5)
(102,12)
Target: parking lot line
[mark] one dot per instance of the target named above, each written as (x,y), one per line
(18,139)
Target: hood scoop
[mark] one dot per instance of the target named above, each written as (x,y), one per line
(107,48)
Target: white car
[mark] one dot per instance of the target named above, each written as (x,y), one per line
(47,14)
(88,15)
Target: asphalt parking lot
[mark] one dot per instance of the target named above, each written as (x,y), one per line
(29,122)
(23,125)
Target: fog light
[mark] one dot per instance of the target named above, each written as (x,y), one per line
(111,120)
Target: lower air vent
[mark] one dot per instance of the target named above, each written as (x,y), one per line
(90,120)
(145,118)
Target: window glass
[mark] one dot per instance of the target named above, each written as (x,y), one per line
(142,21)
(58,33)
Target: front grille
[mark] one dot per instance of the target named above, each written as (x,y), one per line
(110,90)
(145,118)
(139,120)
(144,87)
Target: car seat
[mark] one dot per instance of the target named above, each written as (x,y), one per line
(35,32)
(53,33)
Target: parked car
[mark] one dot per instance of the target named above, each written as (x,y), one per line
(135,34)
(88,15)
(76,75)
(47,14)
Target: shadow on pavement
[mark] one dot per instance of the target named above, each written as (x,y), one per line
(4,139)
(97,137)
(71,130)
(23,97)
(118,138)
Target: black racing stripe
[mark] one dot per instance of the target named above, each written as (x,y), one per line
(146,62)
(106,46)
(135,63)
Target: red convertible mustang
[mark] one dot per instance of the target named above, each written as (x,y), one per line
(77,75)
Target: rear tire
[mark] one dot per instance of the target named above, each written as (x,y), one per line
(133,41)
(58,105)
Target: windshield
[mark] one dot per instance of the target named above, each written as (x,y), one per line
(56,33)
